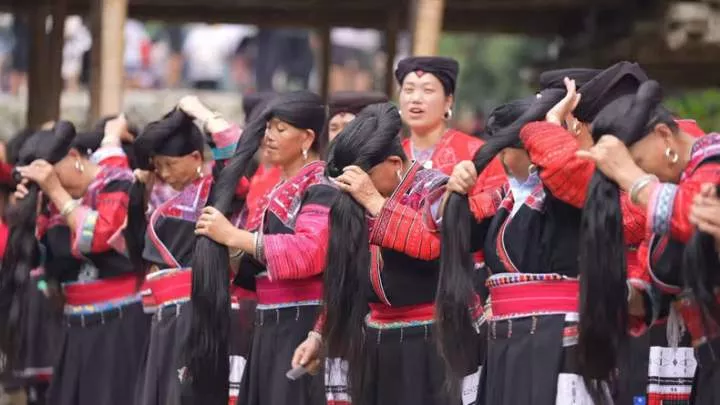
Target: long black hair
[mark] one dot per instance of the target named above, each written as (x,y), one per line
(602,251)
(174,134)
(207,345)
(700,266)
(366,141)
(455,293)
(23,253)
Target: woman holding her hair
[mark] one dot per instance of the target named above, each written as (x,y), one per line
(163,241)
(382,268)
(281,251)
(663,169)
(106,327)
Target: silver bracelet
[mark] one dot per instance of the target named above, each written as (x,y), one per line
(69,207)
(236,253)
(315,335)
(640,184)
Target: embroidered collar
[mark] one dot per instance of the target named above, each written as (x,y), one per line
(704,148)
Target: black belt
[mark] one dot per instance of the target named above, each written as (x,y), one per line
(97,318)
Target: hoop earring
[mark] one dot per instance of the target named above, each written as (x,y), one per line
(79,166)
(199,171)
(305,154)
(532,169)
(576,127)
(399,175)
(671,155)
(448,114)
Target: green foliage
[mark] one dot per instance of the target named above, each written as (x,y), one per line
(702,106)
(491,66)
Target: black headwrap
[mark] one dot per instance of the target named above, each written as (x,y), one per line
(253,102)
(23,253)
(554,79)
(445,69)
(174,135)
(353,101)
(618,80)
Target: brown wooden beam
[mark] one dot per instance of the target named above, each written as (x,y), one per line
(37,78)
(428,26)
(107,57)
(55,57)
(325,61)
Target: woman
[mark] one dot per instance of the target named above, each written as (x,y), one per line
(382,266)
(281,250)
(427,88)
(173,147)
(662,168)
(343,106)
(106,328)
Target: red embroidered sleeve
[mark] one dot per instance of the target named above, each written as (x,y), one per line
(552,149)
(320,321)
(98,228)
(225,142)
(485,203)
(403,229)
(669,204)
(300,254)
(110,156)
(493,176)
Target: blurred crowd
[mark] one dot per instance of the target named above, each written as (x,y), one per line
(208,56)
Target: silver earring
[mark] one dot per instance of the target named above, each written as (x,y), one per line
(399,175)
(448,114)
(199,171)
(671,155)
(532,169)
(305,154)
(79,167)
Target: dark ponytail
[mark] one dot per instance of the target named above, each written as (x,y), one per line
(365,142)
(22,253)
(455,292)
(602,251)
(700,266)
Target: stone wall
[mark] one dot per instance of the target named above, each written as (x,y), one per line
(141,107)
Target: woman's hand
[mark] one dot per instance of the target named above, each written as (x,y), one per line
(43,174)
(116,128)
(308,355)
(21,190)
(705,212)
(613,158)
(145,176)
(463,178)
(213,224)
(192,106)
(358,184)
(563,109)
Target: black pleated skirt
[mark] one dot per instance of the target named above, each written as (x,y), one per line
(402,367)
(277,334)
(43,330)
(101,357)
(706,384)
(531,361)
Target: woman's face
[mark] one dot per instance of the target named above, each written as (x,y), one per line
(387,175)
(516,163)
(73,172)
(337,123)
(649,154)
(423,102)
(178,171)
(284,143)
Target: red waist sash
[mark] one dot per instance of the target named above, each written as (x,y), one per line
(385,314)
(288,291)
(99,291)
(527,298)
(174,285)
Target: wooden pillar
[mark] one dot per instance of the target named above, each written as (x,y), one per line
(427,26)
(325,61)
(37,76)
(107,80)
(56,43)
(391,38)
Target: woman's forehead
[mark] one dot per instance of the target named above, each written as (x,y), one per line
(420,78)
